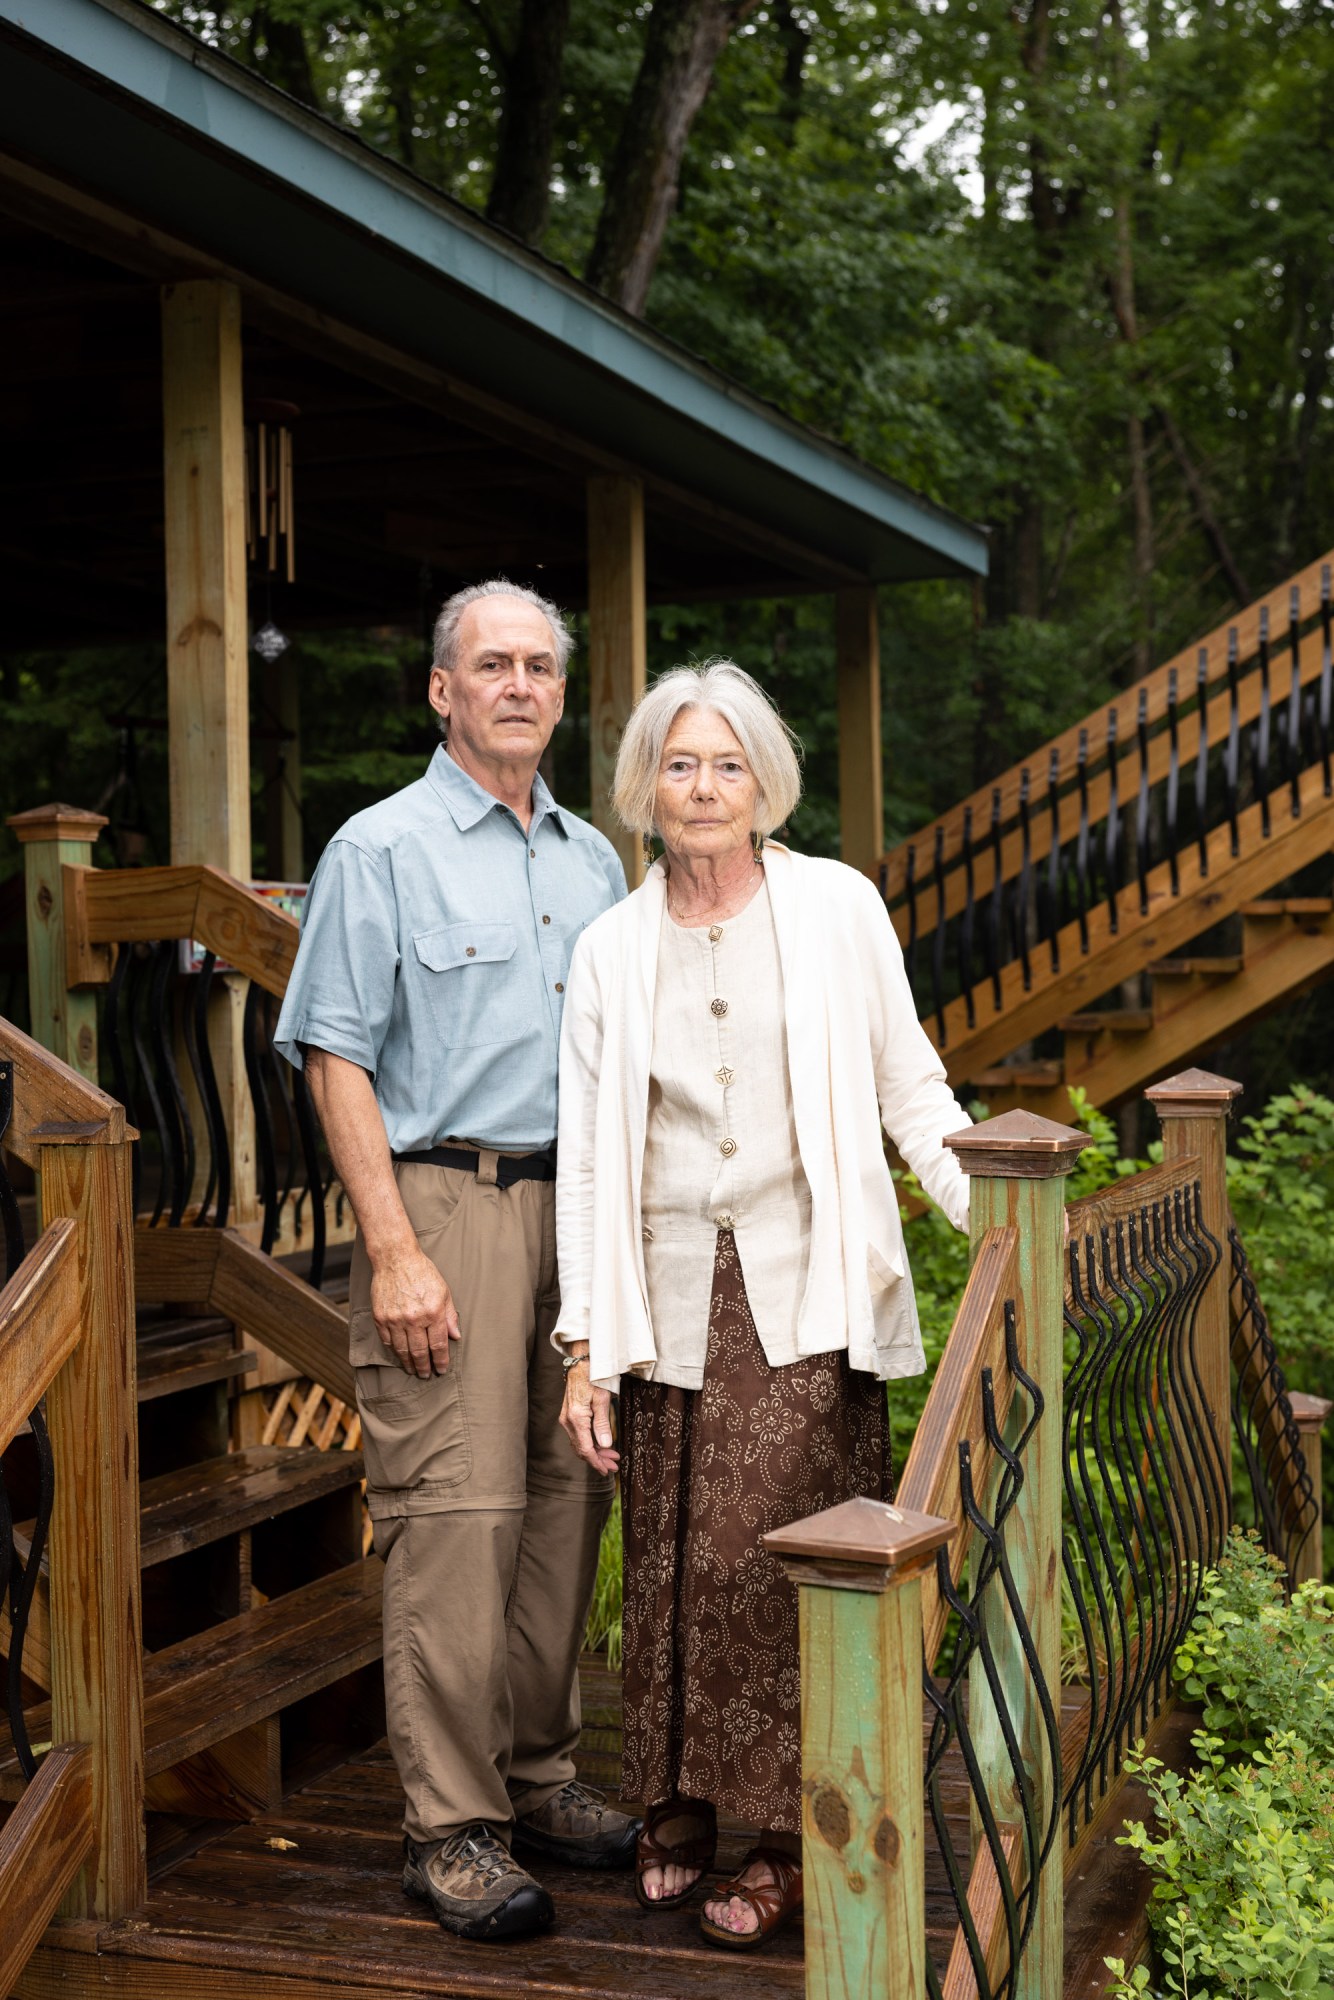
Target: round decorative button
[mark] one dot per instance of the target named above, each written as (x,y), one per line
(724,1075)
(546,920)
(718,1008)
(727,1147)
(471,952)
(715,932)
(559,987)
(727,1222)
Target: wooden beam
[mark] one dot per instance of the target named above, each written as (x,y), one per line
(1310,1414)
(861,792)
(39,1325)
(52,1104)
(617,643)
(138,905)
(96,1648)
(55,838)
(43,1844)
(283,831)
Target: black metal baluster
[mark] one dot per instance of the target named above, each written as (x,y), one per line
(179,1158)
(1024,885)
(967,920)
(1055,879)
(115,1030)
(1113,837)
(1083,887)
(938,941)
(1142,802)
(314,1188)
(1202,759)
(910,949)
(1293,745)
(135,1009)
(1232,755)
(995,908)
(1260,734)
(1173,782)
(264,1153)
(1326,672)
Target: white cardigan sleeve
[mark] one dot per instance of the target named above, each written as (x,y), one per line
(580,1062)
(917,1107)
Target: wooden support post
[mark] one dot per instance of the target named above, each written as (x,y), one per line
(1193,1107)
(208,692)
(1018,1166)
(617,643)
(858,1570)
(63,1009)
(283,833)
(96,1664)
(1311,1414)
(861,791)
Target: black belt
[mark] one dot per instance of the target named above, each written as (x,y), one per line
(527,1167)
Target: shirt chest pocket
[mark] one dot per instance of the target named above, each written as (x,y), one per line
(473,975)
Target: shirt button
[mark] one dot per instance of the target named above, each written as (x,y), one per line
(724,1075)
(546,920)
(532,854)
(727,1222)
(715,933)
(471,952)
(559,987)
(727,1147)
(718,1008)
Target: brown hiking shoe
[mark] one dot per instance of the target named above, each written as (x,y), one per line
(475,1887)
(579,1829)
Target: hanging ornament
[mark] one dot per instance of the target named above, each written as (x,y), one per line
(269,642)
(269,527)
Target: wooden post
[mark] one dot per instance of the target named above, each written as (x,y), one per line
(96,1663)
(617,643)
(63,1009)
(283,833)
(861,792)
(1193,1107)
(1311,1414)
(858,1570)
(208,693)
(1018,1164)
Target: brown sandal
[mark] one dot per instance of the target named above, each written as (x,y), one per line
(697,1851)
(774,1903)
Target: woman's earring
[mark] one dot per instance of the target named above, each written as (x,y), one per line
(648,851)
(757,842)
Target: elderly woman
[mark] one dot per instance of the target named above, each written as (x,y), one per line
(731,1258)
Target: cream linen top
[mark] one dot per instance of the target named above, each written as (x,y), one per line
(721,1140)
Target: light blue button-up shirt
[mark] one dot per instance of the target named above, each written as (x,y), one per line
(435,943)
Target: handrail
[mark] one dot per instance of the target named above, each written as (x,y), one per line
(1287,1501)
(146,905)
(1121,1200)
(43,1844)
(954,1414)
(53,1104)
(1156,690)
(39,1324)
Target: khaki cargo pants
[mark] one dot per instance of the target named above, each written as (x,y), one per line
(487,1522)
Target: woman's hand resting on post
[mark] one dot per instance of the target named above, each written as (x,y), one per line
(585,1418)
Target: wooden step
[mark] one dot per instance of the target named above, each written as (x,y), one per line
(1042,1075)
(1110,1021)
(223,1496)
(208,1688)
(1203,968)
(188,1355)
(1291,906)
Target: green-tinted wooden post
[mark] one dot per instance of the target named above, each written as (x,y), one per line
(858,1570)
(1017,1166)
(1311,1414)
(64,1021)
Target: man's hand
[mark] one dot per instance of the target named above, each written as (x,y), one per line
(585,1418)
(414,1313)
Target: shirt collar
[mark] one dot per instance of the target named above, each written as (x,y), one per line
(469,803)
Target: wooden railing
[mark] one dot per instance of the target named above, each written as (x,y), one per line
(67,1371)
(1077,1426)
(1138,812)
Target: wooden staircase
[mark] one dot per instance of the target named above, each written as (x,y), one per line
(1163,848)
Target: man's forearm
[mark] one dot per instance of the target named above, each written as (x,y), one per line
(359,1148)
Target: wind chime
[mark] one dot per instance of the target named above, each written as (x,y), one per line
(269,524)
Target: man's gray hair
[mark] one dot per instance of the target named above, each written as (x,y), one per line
(727,690)
(444,652)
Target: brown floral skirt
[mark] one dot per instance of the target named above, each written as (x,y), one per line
(711,1686)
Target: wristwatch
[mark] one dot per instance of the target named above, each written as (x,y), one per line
(569,1361)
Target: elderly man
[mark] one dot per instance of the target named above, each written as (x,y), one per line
(426,1006)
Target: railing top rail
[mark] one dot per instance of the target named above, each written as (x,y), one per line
(145,905)
(53,1104)
(39,1324)
(1104,1208)
(1154,687)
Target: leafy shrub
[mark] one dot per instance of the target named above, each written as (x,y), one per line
(1244,1903)
(1251,1658)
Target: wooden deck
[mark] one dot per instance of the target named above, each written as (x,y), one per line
(306,1902)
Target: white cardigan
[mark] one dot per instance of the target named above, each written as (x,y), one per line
(854,1044)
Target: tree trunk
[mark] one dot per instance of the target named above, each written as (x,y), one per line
(1203,505)
(795,42)
(1122,288)
(520,198)
(684,41)
(286,59)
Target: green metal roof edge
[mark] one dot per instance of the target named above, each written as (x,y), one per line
(129,46)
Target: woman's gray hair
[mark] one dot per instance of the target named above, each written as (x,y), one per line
(771,749)
(445,649)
